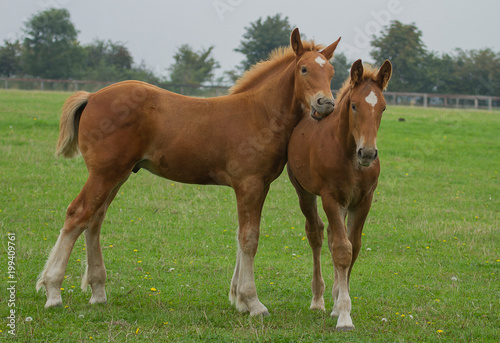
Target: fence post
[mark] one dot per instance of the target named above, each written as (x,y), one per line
(490,103)
(476,103)
(425,99)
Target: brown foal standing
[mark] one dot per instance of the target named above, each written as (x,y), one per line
(337,159)
(238,140)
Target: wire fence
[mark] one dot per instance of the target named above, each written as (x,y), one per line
(393,98)
(443,100)
(93,86)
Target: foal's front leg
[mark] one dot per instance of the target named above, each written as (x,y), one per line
(250,197)
(341,250)
(314,231)
(355,222)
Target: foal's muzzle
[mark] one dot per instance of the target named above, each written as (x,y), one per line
(321,107)
(366,156)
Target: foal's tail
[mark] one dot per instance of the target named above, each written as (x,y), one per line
(67,144)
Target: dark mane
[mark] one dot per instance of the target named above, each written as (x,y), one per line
(369,72)
(261,70)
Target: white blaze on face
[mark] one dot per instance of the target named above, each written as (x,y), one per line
(320,61)
(372,99)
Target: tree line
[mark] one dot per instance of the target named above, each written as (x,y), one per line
(50,49)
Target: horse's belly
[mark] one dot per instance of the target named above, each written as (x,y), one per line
(186,169)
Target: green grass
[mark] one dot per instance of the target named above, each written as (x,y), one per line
(433,271)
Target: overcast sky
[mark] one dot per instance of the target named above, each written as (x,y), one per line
(154,29)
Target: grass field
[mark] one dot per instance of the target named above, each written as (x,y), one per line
(429,269)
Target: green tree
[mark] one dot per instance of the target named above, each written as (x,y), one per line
(10,58)
(442,74)
(193,67)
(402,45)
(142,73)
(478,71)
(107,61)
(342,70)
(51,48)
(109,53)
(262,37)
(475,72)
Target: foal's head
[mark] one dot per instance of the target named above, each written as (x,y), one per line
(367,103)
(313,74)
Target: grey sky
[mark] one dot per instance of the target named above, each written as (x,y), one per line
(154,29)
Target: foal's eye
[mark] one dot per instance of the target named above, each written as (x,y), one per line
(303,69)
(385,107)
(353,107)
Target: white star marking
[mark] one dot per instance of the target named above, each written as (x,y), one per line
(320,61)
(371,99)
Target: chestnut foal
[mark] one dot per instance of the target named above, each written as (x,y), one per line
(337,159)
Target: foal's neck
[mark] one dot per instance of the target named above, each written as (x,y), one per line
(280,100)
(346,139)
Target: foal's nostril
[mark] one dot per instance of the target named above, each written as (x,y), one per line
(367,156)
(321,101)
(328,105)
(323,106)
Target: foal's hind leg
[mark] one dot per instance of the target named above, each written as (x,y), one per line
(234,281)
(315,236)
(95,273)
(79,216)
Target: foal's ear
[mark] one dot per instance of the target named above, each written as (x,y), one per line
(356,73)
(296,42)
(328,51)
(384,74)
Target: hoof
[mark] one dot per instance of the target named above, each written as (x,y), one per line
(345,328)
(240,306)
(54,299)
(258,309)
(92,303)
(254,306)
(318,305)
(53,304)
(263,314)
(98,300)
